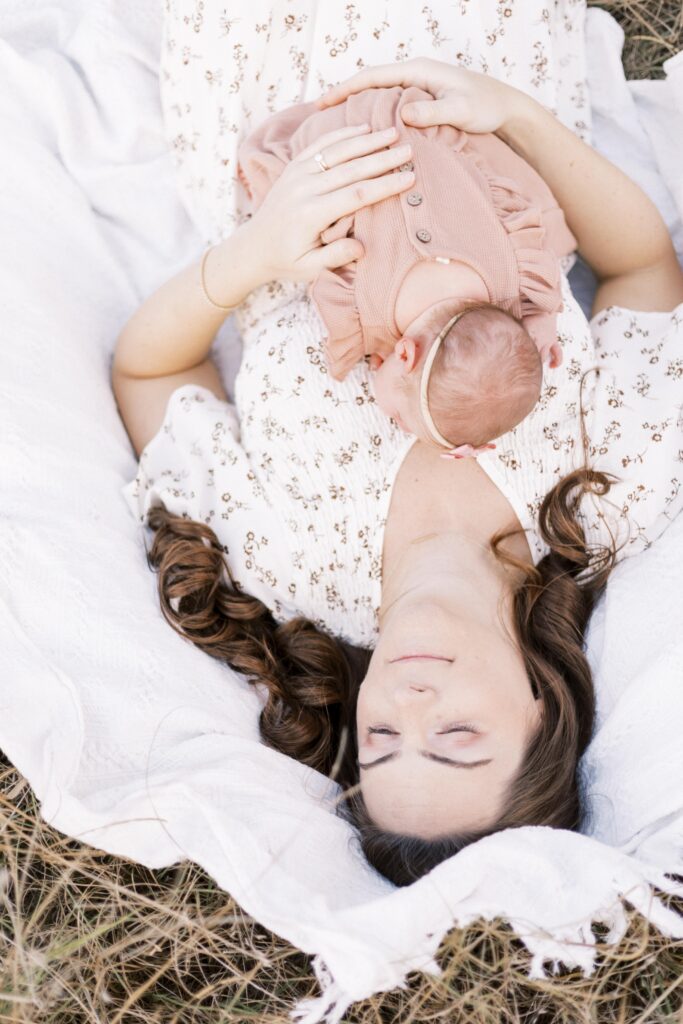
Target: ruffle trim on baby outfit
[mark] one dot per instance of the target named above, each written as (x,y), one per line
(538,267)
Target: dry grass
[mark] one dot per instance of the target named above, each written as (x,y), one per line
(86,938)
(654,29)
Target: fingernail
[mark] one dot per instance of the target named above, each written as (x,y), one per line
(362,127)
(406,176)
(388,132)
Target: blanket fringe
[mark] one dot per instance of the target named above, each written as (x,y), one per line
(328,1008)
(575,948)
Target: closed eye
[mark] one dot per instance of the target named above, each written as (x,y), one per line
(464,727)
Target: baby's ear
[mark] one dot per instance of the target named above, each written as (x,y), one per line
(407,351)
(556,355)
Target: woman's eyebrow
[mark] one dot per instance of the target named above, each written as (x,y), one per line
(456,764)
(432,757)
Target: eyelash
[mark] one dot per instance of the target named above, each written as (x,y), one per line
(465,727)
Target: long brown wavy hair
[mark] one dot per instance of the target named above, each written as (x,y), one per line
(312,679)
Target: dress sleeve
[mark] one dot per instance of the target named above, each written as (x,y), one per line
(196,466)
(636,424)
(334,296)
(537,262)
(529,214)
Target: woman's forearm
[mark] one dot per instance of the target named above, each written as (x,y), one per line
(174,328)
(618,228)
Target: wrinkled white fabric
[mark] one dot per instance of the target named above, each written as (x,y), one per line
(133,740)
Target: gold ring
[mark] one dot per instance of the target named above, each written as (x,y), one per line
(320,160)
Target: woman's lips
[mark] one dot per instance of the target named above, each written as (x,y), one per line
(421,657)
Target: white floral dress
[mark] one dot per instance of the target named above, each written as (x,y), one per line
(296,477)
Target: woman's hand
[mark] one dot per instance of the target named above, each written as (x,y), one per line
(466,99)
(284,232)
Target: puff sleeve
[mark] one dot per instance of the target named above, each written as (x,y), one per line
(196,466)
(536,230)
(333,295)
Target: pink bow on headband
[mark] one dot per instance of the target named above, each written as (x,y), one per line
(466,451)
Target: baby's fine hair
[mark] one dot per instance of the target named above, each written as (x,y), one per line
(486,377)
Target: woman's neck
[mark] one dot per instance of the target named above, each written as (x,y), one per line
(447,568)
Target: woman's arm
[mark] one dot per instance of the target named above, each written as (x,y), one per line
(619,230)
(174,328)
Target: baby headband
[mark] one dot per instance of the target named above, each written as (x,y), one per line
(462,450)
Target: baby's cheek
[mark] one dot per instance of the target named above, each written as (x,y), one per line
(409,412)
(384,387)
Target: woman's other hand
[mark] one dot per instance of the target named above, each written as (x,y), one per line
(465,99)
(284,232)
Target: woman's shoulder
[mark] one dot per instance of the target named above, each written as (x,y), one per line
(622,322)
(614,404)
(197,468)
(636,426)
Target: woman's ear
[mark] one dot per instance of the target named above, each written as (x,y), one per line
(407,351)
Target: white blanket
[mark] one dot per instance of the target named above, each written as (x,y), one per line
(136,742)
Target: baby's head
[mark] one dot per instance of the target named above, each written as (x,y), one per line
(485,377)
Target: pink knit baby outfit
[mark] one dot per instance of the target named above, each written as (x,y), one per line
(473,200)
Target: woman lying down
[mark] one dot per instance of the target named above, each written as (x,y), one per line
(417,621)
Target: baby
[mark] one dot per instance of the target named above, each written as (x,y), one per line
(479,227)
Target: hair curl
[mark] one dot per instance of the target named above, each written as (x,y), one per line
(312,679)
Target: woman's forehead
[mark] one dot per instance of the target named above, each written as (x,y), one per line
(426,798)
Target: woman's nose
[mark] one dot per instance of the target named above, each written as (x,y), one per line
(408,693)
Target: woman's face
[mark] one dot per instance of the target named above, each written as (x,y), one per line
(444,717)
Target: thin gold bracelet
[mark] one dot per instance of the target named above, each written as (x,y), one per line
(203,282)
